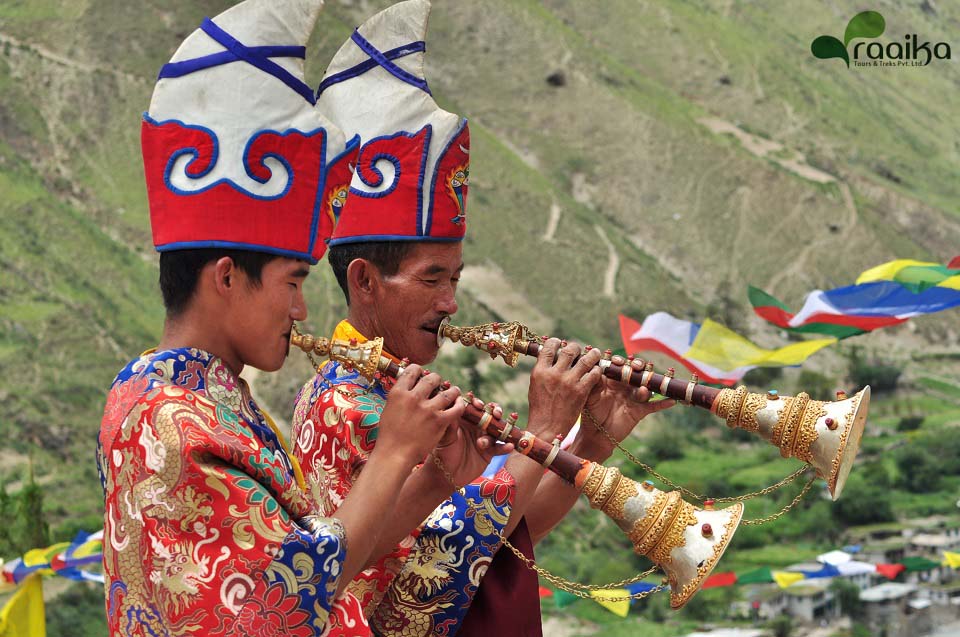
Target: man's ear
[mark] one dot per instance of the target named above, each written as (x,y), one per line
(225,276)
(363,278)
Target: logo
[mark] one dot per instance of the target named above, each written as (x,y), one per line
(870,24)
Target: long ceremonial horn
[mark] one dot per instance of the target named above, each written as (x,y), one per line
(824,434)
(684,541)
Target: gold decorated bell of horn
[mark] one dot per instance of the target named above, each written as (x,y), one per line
(824,434)
(684,541)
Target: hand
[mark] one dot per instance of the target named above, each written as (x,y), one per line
(412,421)
(465,451)
(618,408)
(559,387)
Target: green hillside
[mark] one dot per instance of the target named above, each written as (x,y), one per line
(627,157)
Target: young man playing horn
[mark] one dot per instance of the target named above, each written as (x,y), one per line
(397,255)
(208,527)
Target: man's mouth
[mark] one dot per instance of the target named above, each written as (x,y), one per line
(432,327)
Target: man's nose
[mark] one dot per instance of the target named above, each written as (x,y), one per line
(298,311)
(447,304)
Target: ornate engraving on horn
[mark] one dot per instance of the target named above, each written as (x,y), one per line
(664,528)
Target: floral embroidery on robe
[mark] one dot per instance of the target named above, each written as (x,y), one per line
(206,530)
(425,585)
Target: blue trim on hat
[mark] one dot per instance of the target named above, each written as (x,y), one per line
(373,168)
(389,66)
(436,172)
(318,210)
(233,245)
(393,237)
(186,67)
(396,163)
(216,153)
(370,63)
(260,61)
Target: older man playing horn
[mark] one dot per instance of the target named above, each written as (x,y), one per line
(397,255)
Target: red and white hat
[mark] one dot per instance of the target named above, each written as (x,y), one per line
(235,153)
(412,174)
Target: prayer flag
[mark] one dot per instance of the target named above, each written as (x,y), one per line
(890,571)
(23,615)
(563,598)
(952,559)
(916,276)
(786,578)
(756,576)
(720,579)
(713,352)
(620,605)
(722,347)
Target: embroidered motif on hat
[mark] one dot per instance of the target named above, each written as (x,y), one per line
(413,171)
(235,153)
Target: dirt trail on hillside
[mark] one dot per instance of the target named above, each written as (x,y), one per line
(553,222)
(613,265)
(768,149)
(798,264)
(56,58)
(488,285)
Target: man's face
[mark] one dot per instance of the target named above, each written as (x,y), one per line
(265,313)
(410,304)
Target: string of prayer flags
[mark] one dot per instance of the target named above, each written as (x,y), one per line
(885,295)
(715,353)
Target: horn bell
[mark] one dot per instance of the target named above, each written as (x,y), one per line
(824,434)
(684,541)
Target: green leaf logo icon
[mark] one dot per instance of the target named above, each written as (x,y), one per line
(868,24)
(827,46)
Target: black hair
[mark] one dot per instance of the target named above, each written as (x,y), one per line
(180,272)
(386,255)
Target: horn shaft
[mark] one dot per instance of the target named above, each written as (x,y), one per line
(823,434)
(684,541)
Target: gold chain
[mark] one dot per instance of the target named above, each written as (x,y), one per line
(694,496)
(574,588)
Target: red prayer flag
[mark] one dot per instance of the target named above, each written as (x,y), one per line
(545,592)
(890,571)
(720,579)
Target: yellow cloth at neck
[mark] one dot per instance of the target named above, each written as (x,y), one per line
(345,331)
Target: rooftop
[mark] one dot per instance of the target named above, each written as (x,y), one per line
(887,591)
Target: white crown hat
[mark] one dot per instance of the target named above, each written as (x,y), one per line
(235,153)
(412,173)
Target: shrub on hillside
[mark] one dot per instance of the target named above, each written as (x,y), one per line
(920,471)
(880,375)
(910,423)
(863,503)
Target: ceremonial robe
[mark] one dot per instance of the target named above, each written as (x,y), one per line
(426,584)
(208,531)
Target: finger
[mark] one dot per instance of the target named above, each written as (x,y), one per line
(590,379)
(411,374)
(501,450)
(642,395)
(660,405)
(566,355)
(455,411)
(497,411)
(588,361)
(427,384)
(548,353)
(444,397)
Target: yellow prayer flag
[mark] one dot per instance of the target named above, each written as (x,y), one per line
(888,271)
(786,578)
(952,559)
(620,607)
(23,614)
(724,349)
(37,557)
